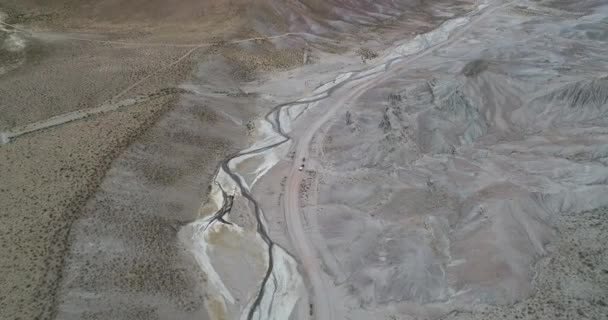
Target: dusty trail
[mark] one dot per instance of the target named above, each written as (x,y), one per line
(173,45)
(112,104)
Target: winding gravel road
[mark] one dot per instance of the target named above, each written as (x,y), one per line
(114,103)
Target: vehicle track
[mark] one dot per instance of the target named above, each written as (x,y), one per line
(108,106)
(112,104)
(174,45)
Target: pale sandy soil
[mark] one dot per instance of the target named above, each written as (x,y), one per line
(456,181)
(45,178)
(125,260)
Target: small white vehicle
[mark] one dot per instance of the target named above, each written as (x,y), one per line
(301,167)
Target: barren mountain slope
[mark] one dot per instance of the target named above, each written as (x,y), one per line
(462,183)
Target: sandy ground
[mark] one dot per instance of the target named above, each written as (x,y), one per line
(125,260)
(45,179)
(48,175)
(458,180)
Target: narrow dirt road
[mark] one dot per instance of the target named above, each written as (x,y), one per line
(139,44)
(324,308)
(113,103)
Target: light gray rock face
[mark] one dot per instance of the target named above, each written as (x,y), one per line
(449,181)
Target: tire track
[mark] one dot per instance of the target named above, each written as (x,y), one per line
(111,104)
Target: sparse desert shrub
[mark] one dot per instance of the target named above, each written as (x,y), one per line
(204,114)
(366,54)
(475,67)
(394,98)
(250,125)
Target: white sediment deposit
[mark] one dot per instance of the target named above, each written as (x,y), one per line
(285,286)
(426,40)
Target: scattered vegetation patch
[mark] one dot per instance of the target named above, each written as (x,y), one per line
(475,67)
(366,54)
(247,64)
(204,114)
(160,173)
